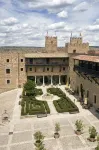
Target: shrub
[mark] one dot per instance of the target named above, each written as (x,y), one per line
(92,132)
(79,125)
(57,127)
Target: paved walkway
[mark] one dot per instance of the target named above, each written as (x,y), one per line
(50,103)
(22,130)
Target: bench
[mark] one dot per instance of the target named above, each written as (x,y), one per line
(41,115)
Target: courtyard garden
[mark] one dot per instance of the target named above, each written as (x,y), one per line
(29,104)
(63,104)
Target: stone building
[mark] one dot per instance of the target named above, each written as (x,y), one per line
(51,65)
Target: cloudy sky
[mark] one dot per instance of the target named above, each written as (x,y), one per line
(26,22)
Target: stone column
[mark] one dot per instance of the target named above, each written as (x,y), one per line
(43,81)
(59,81)
(35,79)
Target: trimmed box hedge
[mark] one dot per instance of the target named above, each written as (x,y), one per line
(64,104)
(31,106)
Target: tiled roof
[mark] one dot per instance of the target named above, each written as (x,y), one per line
(46,55)
(87,58)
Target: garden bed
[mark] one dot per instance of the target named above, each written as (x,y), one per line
(29,104)
(64,104)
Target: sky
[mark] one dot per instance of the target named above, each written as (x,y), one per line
(27,22)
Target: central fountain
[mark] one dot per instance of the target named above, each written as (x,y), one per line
(47,96)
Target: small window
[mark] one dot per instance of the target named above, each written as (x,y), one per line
(95,101)
(21,60)
(8,81)
(30,69)
(74,51)
(7,60)
(47,69)
(8,71)
(63,68)
(52,69)
(21,69)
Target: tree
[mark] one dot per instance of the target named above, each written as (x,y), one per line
(79,126)
(38,136)
(29,88)
(92,132)
(57,129)
(97,148)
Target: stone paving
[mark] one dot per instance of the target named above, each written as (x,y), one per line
(22,130)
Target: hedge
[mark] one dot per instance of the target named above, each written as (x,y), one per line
(64,104)
(46,107)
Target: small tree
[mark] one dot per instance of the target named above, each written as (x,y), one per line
(29,88)
(92,132)
(38,136)
(79,125)
(97,148)
(57,127)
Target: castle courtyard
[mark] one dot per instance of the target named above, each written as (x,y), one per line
(18,133)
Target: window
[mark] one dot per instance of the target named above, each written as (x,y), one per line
(8,71)
(30,69)
(21,69)
(35,69)
(47,69)
(63,68)
(7,60)
(21,60)
(95,99)
(74,51)
(8,81)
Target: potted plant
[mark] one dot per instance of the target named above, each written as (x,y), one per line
(57,129)
(92,133)
(38,136)
(97,148)
(79,127)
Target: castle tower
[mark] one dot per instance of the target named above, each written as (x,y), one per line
(76,45)
(51,43)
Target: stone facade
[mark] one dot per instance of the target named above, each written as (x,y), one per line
(56,63)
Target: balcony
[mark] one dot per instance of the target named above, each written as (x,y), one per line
(46,64)
(86,71)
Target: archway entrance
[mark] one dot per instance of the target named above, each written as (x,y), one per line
(39,80)
(47,80)
(63,79)
(55,80)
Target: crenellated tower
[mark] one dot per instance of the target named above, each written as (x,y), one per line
(76,45)
(51,43)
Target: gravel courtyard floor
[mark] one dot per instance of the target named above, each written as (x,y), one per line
(18,133)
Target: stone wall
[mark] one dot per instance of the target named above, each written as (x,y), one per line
(8,60)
